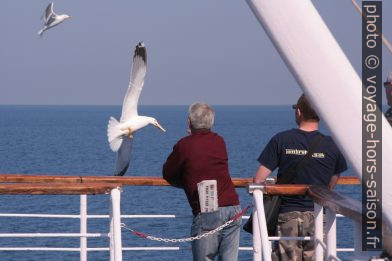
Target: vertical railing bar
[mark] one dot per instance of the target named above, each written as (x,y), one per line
(116,217)
(83,227)
(318,232)
(265,244)
(111,231)
(330,226)
(257,252)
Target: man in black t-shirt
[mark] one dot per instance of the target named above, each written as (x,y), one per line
(284,151)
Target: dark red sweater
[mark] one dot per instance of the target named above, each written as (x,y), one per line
(200,156)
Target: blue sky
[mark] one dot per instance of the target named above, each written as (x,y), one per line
(212,51)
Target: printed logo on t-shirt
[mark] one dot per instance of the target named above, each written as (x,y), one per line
(318,155)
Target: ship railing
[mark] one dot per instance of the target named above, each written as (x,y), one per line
(67,188)
(51,181)
(44,184)
(335,204)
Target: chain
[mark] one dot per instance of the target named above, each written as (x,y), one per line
(176,240)
(187,239)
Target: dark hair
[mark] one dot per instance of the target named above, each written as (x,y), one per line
(306,109)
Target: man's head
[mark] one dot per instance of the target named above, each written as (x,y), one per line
(304,111)
(201,116)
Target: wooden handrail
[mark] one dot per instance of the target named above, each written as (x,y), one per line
(57,189)
(286,189)
(16,178)
(126,181)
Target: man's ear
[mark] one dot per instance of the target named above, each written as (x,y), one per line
(298,112)
(189,126)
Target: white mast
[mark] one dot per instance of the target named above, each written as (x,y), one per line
(325,74)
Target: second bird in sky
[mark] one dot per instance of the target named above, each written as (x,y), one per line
(51,19)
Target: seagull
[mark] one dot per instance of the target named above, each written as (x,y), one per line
(51,19)
(120,133)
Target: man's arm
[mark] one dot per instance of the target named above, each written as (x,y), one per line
(333,181)
(261,174)
(171,170)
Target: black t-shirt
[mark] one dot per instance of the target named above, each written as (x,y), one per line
(287,148)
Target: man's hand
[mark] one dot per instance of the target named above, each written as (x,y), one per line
(333,181)
(178,183)
(261,174)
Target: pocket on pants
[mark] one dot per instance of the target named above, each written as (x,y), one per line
(210,220)
(288,216)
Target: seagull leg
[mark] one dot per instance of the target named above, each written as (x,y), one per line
(130,135)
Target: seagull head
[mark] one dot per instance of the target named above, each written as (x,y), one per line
(156,124)
(64,16)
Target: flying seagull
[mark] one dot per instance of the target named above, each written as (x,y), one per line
(120,134)
(51,19)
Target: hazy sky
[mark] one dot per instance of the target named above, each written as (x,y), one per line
(205,50)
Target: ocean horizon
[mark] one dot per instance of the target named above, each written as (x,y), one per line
(71,140)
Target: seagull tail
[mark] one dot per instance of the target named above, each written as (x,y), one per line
(40,32)
(114,134)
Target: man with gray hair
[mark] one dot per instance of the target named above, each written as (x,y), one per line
(197,158)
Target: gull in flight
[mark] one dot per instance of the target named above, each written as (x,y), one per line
(51,19)
(120,133)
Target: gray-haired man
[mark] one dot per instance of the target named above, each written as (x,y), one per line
(202,156)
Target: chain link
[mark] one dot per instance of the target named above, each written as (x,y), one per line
(187,239)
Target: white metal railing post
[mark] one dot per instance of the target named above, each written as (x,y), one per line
(265,244)
(111,233)
(115,225)
(330,226)
(256,238)
(83,227)
(318,232)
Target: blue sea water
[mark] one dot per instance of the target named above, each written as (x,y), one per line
(71,140)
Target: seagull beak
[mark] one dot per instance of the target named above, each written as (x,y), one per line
(160,127)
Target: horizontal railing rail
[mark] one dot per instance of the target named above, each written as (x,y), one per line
(125,181)
(87,185)
(59,189)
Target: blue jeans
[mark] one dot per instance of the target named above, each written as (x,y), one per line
(223,243)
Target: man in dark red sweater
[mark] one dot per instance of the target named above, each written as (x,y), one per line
(202,156)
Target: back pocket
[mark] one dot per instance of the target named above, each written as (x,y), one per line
(210,220)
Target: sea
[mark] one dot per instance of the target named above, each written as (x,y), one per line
(71,140)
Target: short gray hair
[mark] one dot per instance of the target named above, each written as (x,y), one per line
(201,116)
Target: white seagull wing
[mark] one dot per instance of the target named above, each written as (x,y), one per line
(123,156)
(136,82)
(48,13)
